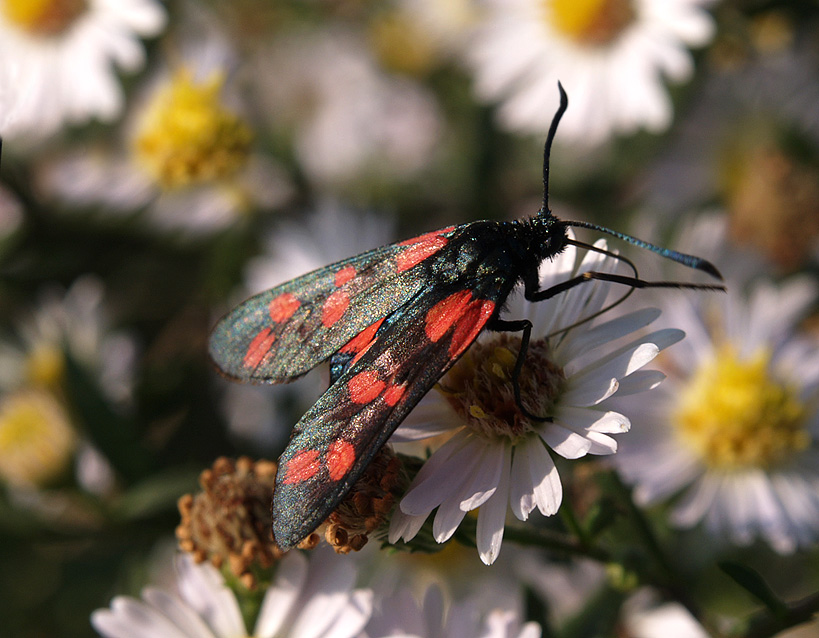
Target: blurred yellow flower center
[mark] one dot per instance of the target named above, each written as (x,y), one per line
(36,438)
(401,44)
(734,415)
(43,17)
(590,22)
(187,136)
(45,365)
(480,389)
(772,196)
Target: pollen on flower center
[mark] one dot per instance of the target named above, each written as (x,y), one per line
(480,389)
(734,415)
(43,17)
(590,22)
(187,136)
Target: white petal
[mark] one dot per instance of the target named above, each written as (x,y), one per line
(545,479)
(640,381)
(202,587)
(429,487)
(449,515)
(182,616)
(570,445)
(351,620)
(486,476)
(521,493)
(130,618)
(326,595)
(579,419)
(492,516)
(627,359)
(431,417)
(584,341)
(405,526)
(695,502)
(601,444)
(590,390)
(447,518)
(291,574)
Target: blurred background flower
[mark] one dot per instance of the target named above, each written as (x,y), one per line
(59,59)
(161,161)
(735,423)
(611,55)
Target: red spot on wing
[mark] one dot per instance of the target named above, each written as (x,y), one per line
(258,348)
(283,307)
(419,248)
(334,307)
(443,315)
(365,387)
(470,325)
(301,467)
(468,317)
(363,339)
(344,275)
(340,458)
(426,236)
(393,394)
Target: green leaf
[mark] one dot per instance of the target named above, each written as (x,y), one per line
(156,494)
(112,433)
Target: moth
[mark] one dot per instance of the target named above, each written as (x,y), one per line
(390,322)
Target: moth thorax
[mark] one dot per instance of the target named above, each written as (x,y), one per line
(228,522)
(479,387)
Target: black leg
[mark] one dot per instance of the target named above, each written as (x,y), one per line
(525,327)
(631,282)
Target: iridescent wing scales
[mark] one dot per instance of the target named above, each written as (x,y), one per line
(279,335)
(337,438)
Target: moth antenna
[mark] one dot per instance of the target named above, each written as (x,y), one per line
(692,261)
(547,148)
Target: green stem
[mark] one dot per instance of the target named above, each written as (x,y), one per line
(764,623)
(528,535)
(569,518)
(670,580)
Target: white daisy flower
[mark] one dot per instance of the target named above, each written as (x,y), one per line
(611,55)
(495,457)
(38,438)
(188,156)
(308,597)
(347,116)
(736,424)
(58,59)
(75,321)
(400,616)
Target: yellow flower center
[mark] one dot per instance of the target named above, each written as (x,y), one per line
(36,438)
(187,136)
(480,389)
(45,365)
(43,17)
(590,22)
(401,44)
(734,415)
